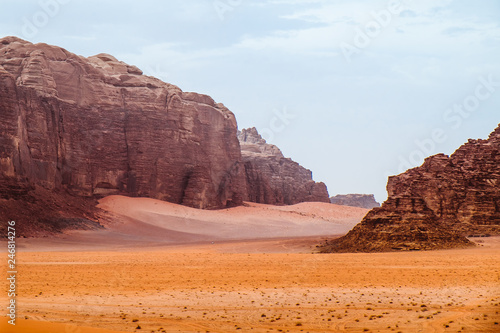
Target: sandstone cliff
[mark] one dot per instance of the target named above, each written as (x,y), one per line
(272,178)
(97,126)
(355,200)
(435,205)
(73,129)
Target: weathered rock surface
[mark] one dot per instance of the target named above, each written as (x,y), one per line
(73,129)
(355,200)
(435,205)
(97,126)
(38,211)
(272,178)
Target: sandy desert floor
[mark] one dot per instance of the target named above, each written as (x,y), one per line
(261,285)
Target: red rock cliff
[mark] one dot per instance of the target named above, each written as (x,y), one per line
(274,179)
(435,205)
(96,126)
(73,129)
(355,200)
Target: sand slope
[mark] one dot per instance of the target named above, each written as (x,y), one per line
(139,222)
(248,222)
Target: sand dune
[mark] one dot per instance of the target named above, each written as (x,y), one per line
(139,222)
(247,222)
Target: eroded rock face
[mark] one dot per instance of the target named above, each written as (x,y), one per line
(435,205)
(355,200)
(272,178)
(97,126)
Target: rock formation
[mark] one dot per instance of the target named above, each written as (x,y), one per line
(355,200)
(272,178)
(435,205)
(73,129)
(97,126)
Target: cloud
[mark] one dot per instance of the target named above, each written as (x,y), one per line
(312,41)
(408,13)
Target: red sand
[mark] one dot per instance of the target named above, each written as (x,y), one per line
(143,222)
(156,268)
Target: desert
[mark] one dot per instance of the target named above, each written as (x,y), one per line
(231,287)
(230,281)
(249,166)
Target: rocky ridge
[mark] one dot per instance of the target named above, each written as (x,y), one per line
(436,205)
(263,163)
(355,200)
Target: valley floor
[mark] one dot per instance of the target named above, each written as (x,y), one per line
(269,285)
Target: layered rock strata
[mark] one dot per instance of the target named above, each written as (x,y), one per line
(355,200)
(97,126)
(73,129)
(271,178)
(435,205)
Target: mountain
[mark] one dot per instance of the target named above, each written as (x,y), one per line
(436,205)
(272,178)
(97,126)
(355,200)
(75,129)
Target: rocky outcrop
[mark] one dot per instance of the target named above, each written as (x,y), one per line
(271,178)
(97,126)
(435,205)
(355,200)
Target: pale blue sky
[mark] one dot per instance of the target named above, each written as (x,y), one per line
(361,83)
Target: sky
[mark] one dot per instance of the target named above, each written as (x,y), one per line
(353,90)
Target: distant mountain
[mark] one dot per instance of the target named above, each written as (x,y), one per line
(272,178)
(436,205)
(355,200)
